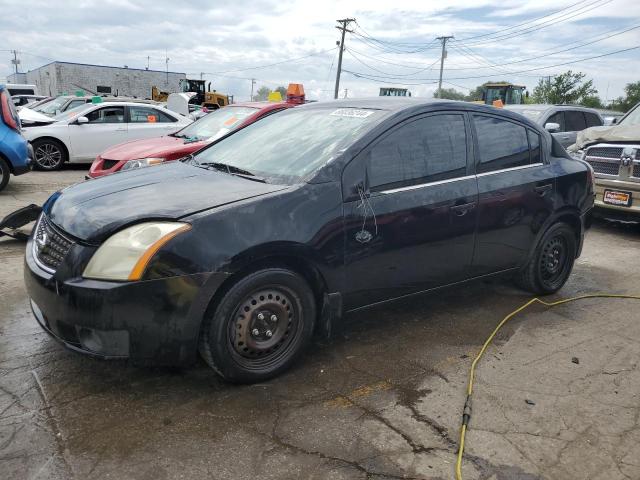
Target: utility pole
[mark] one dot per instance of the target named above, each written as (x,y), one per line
(344,24)
(148,58)
(201,74)
(442,57)
(166,62)
(346,91)
(253,82)
(15,62)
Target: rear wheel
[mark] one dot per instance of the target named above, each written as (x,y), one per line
(260,326)
(5,171)
(551,264)
(49,154)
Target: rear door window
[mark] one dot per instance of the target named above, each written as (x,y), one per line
(148,115)
(574,121)
(426,150)
(592,119)
(501,144)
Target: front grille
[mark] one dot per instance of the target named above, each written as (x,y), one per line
(50,247)
(605,152)
(606,168)
(108,164)
(636,170)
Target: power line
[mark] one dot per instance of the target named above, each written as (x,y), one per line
(540,26)
(518,71)
(349,51)
(524,23)
(276,63)
(552,53)
(419,66)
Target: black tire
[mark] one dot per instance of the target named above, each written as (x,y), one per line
(5,171)
(49,154)
(552,261)
(259,327)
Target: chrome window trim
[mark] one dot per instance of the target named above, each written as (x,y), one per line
(510,169)
(421,185)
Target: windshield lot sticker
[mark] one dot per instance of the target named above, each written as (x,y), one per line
(351,112)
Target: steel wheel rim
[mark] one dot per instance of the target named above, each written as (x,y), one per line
(48,155)
(256,339)
(553,261)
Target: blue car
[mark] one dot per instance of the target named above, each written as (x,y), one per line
(15,152)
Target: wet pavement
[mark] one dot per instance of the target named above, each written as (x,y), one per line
(557,397)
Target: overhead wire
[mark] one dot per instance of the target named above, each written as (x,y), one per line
(519,71)
(387,73)
(617,33)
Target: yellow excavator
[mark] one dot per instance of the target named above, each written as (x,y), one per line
(204,97)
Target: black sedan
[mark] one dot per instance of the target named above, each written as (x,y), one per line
(275,231)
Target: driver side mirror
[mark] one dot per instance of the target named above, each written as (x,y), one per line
(81,120)
(614,121)
(552,127)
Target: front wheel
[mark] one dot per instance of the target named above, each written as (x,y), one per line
(49,154)
(260,326)
(551,264)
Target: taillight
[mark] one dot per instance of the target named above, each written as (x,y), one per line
(7,114)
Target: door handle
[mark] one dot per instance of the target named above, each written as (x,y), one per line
(461,210)
(543,189)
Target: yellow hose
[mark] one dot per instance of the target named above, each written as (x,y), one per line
(467,408)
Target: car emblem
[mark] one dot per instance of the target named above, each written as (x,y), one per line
(628,154)
(42,241)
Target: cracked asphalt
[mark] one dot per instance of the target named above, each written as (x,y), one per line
(556,397)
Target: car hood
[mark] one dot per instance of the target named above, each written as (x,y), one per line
(93,210)
(614,133)
(150,147)
(28,116)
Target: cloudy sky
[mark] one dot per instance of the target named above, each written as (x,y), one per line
(392,44)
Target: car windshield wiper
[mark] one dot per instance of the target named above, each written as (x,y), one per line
(232,170)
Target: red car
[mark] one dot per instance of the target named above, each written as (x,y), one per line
(151,151)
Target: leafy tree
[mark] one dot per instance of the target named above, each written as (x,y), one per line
(283,92)
(451,94)
(592,101)
(262,94)
(631,98)
(568,87)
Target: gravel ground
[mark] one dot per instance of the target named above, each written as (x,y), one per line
(557,396)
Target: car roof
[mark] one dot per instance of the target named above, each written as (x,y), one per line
(544,107)
(380,103)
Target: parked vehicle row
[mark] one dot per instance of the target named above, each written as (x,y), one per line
(241,251)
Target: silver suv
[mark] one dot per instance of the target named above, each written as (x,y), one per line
(562,121)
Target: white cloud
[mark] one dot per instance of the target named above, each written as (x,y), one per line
(204,36)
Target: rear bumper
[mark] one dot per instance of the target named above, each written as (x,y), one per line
(153,322)
(614,211)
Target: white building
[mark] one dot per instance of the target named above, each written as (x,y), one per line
(57,78)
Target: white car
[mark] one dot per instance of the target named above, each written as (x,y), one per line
(80,134)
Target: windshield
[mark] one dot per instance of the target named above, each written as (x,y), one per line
(217,123)
(632,118)
(293,144)
(52,107)
(72,111)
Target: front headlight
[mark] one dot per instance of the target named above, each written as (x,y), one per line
(142,162)
(125,255)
